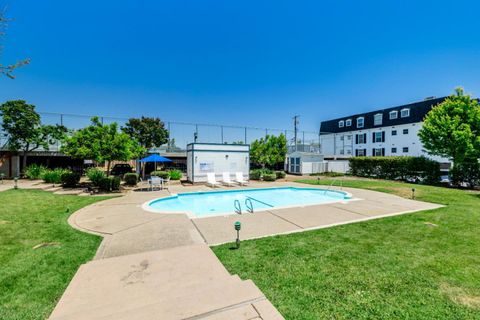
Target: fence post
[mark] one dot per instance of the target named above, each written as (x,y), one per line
(245,135)
(221,130)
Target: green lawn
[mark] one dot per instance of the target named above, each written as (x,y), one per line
(424,265)
(32,280)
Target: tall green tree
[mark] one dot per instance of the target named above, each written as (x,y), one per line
(7,70)
(149,132)
(102,142)
(269,151)
(24,129)
(452,128)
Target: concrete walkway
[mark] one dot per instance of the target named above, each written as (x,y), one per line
(153,265)
(180,283)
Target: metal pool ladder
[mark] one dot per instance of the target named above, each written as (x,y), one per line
(333,183)
(249,205)
(238,206)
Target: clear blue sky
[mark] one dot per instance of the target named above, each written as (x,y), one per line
(239,62)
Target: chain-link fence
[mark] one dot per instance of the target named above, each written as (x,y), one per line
(183,133)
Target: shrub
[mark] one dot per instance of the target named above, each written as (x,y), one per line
(255,174)
(161,174)
(70,179)
(467,172)
(109,183)
(35,171)
(418,169)
(95,176)
(53,176)
(175,174)
(131,179)
(269,177)
(280,174)
(116,183)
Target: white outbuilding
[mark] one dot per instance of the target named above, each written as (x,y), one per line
(305,163)
(203,158)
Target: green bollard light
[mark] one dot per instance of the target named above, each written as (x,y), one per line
(413,193)
(238,227)
(16,183)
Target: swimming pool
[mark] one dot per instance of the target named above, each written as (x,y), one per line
(211,203)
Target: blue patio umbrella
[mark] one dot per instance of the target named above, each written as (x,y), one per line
(154,158)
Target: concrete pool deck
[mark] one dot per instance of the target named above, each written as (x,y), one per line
(153,264)
(122,219)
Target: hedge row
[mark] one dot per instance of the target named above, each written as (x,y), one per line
(419,169)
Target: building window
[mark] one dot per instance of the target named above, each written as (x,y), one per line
(405,149)
(360,122)
(405,131)
(394,150)
(348,122)
(394,132)
(405,113)
(378,152)
(349,137)
(349,151)
(361,153)
(361,138)
(342,138)
(393,114)
(378,137)
(341,151)
(341,124)
(377,119)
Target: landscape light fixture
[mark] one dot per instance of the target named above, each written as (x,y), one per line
(238,226)
(413,193)
(16,182)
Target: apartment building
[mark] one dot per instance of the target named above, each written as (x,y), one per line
(385,132)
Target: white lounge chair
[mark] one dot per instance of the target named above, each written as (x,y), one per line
(226,179)
(155,181)
(211,181)
(239,179)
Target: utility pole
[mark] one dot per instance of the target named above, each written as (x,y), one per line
(295,129)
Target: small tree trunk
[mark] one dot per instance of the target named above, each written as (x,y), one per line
(108,167)
(24,161)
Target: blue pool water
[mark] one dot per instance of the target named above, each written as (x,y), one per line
(202,204)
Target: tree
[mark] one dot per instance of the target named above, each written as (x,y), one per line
(149,132)
(101,143)
(269,151)
(24,129)
(7,70)
(452,128)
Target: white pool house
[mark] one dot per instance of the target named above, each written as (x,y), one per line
(203,158)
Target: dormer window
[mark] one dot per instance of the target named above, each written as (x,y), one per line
(341,124)
(360,122)
(377,119)
(405,113)
(393,114)
(348,122)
